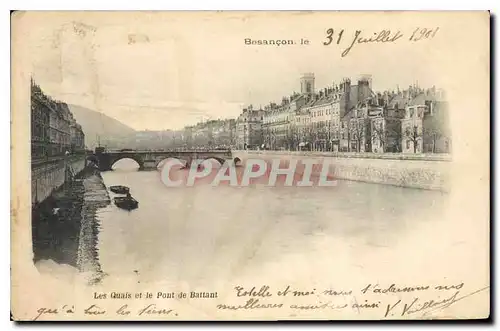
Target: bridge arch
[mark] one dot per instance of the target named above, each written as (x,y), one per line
(162,160)
(136,158)
(151,159)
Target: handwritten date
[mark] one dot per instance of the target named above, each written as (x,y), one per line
(384,36)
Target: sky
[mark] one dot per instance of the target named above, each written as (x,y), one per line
(164,71)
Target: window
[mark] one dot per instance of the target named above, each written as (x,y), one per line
(407,144)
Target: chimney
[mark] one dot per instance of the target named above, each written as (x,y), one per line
(386,98)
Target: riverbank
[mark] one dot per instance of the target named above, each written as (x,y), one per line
(95,197)
(430,172)
(65,225)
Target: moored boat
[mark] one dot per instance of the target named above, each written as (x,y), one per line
(127,203)
(119,189)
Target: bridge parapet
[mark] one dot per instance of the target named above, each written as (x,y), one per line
(150,159)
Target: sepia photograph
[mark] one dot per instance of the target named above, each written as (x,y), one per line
(186,166)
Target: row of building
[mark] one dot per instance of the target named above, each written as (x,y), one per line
(54,131)
(344,117)
(349,117)
(210,134)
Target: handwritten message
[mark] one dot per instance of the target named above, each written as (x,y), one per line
(385,301)
(102,305)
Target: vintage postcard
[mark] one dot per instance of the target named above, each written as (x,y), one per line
(187,166)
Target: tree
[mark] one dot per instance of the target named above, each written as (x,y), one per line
(395,133)
(414,135)
(322,134)
(380,133)
(434,135)
(347,131)
(272,140)
(293,137)
(314,136)
(357,133)
(308,134)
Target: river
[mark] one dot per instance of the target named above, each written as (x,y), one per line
(207,235)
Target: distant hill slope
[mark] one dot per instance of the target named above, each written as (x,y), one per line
(111,133)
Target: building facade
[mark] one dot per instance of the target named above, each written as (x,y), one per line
(223,133)
(436,126)
(342,117)
(425,126)
(39,124)
(249,134)
(54,131)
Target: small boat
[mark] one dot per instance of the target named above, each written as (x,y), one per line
(119,189)
(127,203)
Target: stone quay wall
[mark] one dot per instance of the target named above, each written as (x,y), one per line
(65,225)
(50,175)
(430,172)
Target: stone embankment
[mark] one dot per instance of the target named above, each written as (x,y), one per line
(431,172)
(95,197)
(65,225)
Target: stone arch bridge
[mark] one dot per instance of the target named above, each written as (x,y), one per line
(150,159)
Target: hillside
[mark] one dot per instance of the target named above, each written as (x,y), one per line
(112,133)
